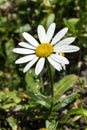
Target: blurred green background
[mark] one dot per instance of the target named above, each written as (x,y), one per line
(25,15)
(17,16)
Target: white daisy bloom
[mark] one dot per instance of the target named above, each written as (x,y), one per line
(48,48)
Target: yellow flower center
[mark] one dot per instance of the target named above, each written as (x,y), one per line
(44,50)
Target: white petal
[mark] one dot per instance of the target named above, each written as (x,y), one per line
(30,64)
(66,49)
(55,64)
(26,45)
(30,39)
(66,41)
(50,31)
(64,67)
(41,34)
(23,51)
(39,66)
(60,59)
(25,59)
(59,35)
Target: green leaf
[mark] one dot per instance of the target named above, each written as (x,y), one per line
(73,21)
(83,41)
(50,19)
(81,24)
(71,24)
(8,48)
(12,122)
(64,84)
(1,1)
(23,28)
(51,125)
(13,95)
(41,99)
(10,99)
(47,3)
(78,111)
(33,84)
(65,101)
(6,107)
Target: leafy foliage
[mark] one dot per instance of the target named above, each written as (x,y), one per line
(25,101)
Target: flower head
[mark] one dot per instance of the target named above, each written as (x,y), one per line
(48,48)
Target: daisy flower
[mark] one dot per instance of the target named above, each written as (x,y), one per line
(48,48)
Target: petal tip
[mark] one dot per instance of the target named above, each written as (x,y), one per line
(16,62)
(13,50)
(53,24)
(24,33)
(36,73)
(73,39)
(66,29)
(78,48)
(24,71)
(40,25)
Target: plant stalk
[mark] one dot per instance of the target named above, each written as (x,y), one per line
(51,84)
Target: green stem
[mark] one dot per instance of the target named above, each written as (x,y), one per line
(41,83)
(51,82)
